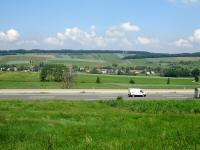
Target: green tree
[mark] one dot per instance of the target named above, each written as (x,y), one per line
(68,77)
(98,80)
(52,72)
(43,75)
(131,81)
(195,72)
(168,80)
(196,78)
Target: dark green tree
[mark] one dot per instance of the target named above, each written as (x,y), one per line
(43,75)
(52,72)
(168,80)
(98,80)
(131,81)
(196,78)
(195,72)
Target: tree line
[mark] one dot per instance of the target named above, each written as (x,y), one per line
(58,73)
(182,72)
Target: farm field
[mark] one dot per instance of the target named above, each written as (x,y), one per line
(29,80)
(115,124)
(97,60)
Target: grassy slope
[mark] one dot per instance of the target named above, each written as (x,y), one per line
(25,59)
(14,80)
(22,80)
(99,125)
(113,81)
(97,60)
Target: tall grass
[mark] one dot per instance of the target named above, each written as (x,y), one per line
(116,124)
(175,107)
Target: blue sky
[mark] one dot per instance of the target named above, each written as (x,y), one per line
(151,25)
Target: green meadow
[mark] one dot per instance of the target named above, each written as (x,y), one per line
(115,124)
(30,80)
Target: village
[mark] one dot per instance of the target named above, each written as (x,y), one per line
(115,70)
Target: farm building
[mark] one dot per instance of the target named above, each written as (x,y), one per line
(136,71)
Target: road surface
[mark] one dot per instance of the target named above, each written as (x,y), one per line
(102,94)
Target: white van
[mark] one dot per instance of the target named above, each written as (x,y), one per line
(136,92)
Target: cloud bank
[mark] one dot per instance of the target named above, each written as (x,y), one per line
(115,37)
(127,36)
(190,42)
(9,36)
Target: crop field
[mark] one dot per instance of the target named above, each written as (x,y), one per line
(115,124)
(29,80)
(24,59)
(98,60)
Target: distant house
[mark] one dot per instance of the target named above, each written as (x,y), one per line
(3,69)
(110,71)
(148,73)
(103,71)
(81,69)
(136,71)
(87,70)
(15,69)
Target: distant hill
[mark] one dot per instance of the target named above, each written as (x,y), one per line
(161,55)
(133,54)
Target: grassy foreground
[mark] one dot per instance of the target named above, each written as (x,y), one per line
(100,125)
(22,80)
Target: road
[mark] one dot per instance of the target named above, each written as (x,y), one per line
(91,94)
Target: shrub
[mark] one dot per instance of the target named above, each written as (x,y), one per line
(132,81)
(168,80)
(119,98)
(98,80)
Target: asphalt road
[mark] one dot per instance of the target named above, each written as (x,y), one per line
(92,96)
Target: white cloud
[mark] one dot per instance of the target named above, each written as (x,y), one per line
(196,35)
(189,42)
(182,43)
(9,36)
(121,29)
(119,36)
(77,36)
(127,26)
(147,40)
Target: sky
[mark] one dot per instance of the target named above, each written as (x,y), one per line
(171,26)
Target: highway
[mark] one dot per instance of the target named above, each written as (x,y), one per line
(91,94)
